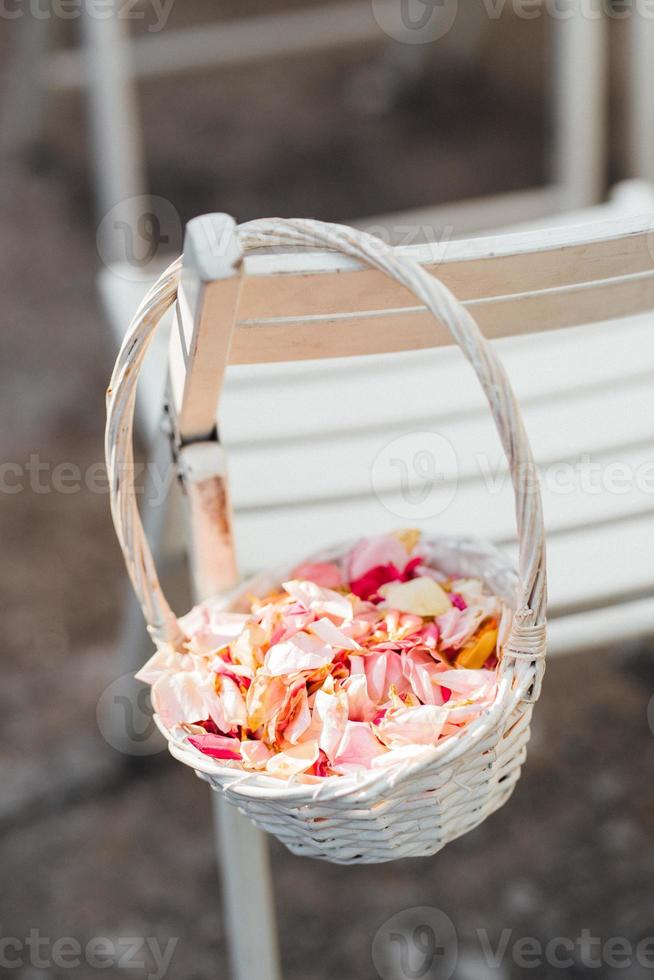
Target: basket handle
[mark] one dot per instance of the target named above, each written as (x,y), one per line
(526,641)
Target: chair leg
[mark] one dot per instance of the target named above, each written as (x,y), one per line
(580,97)
(25,97)
(118,160)
(641,95)
(249,912)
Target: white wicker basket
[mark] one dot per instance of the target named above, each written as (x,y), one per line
(416,808)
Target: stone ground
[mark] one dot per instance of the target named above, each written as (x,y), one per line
(92,844)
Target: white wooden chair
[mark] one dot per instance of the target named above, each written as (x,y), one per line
(108,64)
(331,362)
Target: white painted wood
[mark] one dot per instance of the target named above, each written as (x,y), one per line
(471,218)
(199,349)
(592,383)
(640,61)
(317,283)
(234,42)
(580,81)
(339,465)
(242,855)
(200,341)
(613,239)
(599,565)
(203,469)
(351,335)
(628,620)
(518,211)
(317,305)
(591,358)
(119,167)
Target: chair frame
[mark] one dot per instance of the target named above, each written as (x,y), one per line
(268,308)
(110,64)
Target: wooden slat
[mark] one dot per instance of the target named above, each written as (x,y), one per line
(587,567)
(232,43)
(339,463)
(600,628)
(608,489)
(315,284)
(417,387)
(206,306)
(413,328)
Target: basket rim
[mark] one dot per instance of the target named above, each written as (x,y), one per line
(366,784)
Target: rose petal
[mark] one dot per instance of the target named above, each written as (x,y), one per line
(295,718)
(179,697)
(419,725)
(476,651)
(420,669)
(468,682)
(232,704)
(331,711)
(360,706)
(421,596)
(328,633)
(368,585)
(211,629)
(383,671)
(265,699)
(165,660)
(320,601)
(323,573)
(293,760)
(301,652)
(217,746)
(372,552)
(358,747)
(255,754)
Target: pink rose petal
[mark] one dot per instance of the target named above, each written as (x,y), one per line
(358,747)
(255,754)
(420,669)
(421,725)
(323,602)
(331,712)
(328,633)
(383,671)
(211,629)
(322,573)
(301,652)
(293,761)
(217,746)
(372,552)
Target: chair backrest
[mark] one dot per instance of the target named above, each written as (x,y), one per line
(337,445)
(308,306)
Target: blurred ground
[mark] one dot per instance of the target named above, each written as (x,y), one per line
(92,846)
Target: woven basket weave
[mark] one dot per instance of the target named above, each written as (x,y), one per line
(412,809)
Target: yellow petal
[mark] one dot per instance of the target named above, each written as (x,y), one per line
(421,596)
(408,538)
(475,654)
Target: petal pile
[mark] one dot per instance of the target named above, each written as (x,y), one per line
(352,665)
